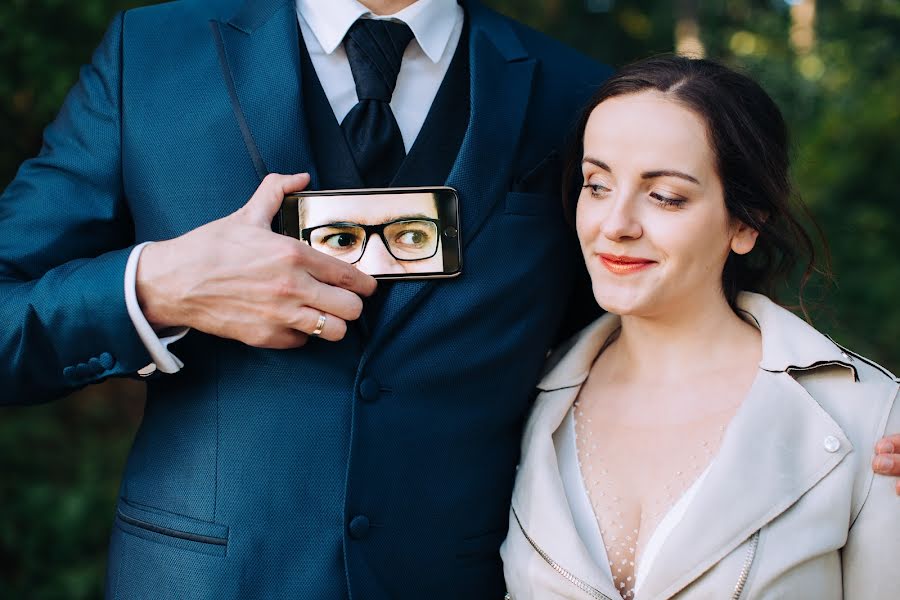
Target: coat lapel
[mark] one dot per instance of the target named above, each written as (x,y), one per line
(540,503)
(259,55)
(500,84)
(539,499)
(762,468)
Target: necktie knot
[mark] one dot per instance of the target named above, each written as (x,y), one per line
(375,50)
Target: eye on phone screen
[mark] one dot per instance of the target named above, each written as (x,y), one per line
(387,233)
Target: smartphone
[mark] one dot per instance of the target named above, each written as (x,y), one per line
(389,233)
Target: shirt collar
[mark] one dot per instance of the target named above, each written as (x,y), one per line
(431,22)
(788,344)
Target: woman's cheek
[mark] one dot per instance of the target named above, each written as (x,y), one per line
(587,223)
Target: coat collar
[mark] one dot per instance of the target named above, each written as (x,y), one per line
(788,344)
(763,466)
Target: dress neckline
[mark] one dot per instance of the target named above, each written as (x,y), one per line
(583,512)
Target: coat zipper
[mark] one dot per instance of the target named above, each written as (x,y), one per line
(748,563)
(583,586)
(595,593)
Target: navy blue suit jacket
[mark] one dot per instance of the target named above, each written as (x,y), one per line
(377,467)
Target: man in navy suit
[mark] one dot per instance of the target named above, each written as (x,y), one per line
(376,458)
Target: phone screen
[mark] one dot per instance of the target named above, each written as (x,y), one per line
(395,233)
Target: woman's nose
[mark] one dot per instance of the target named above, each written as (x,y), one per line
(376,260)
(621,222)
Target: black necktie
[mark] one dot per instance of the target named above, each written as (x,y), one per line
(375,49)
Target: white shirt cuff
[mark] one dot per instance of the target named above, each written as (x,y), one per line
(157,346)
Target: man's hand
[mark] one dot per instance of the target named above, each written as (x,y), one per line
(235,278)
(887,457)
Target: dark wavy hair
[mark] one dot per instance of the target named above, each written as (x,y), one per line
(749,139)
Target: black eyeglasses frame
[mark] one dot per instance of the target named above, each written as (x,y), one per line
(306,235)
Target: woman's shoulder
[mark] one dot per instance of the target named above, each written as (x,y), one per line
(792,345)
(867,370)
(854,379)
(566,368)
(569,363)
(856,392)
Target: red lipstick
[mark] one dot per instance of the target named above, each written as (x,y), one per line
(624,265)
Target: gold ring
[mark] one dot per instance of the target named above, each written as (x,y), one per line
(320,325)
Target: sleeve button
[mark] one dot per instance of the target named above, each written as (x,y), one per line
(107,360)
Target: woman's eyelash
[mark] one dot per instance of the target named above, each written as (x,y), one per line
(595,188)
(666,201)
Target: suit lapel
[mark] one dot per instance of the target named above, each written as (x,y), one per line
(500,84)
(259,56)
(762,468)
(501,78)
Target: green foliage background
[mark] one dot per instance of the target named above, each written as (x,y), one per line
(60,463)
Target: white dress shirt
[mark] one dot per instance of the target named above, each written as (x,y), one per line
(436,26)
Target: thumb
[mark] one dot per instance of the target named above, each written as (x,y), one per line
(265,202)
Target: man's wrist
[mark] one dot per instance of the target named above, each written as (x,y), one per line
(150,291)
(155,340)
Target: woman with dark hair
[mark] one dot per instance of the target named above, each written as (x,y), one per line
(699,440)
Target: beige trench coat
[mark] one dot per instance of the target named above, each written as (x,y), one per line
(789,508)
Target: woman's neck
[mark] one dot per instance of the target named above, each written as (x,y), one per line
(700,339)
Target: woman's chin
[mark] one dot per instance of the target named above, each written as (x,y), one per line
(622,302)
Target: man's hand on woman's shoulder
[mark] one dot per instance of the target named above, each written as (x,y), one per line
(887,457)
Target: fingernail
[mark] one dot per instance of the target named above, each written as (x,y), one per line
(885,447)
(883,464)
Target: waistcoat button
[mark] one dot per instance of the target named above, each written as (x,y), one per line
(359,527)
(369,389)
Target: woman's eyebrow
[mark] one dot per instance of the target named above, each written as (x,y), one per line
(647,174)
(669,173)
(595,161)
